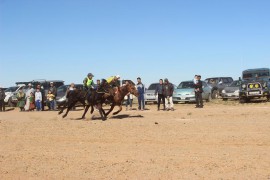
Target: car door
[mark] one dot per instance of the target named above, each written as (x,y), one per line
(205,91)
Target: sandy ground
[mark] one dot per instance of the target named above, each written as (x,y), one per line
(225,140)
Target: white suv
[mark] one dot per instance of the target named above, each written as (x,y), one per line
(10,93)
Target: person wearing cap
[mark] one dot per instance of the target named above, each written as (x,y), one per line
(2,98)
(53,90)
(29,90)
(168,92)
(198,93)
(88,82)
(141,91)
(113,81)
(88,85)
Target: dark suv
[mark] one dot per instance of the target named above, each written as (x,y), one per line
(217,84)
(255,84)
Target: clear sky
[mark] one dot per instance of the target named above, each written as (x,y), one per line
(153,39)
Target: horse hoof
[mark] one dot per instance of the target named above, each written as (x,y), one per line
(64,116)
(93,117)
(59,113)
(104,119)
(83,117)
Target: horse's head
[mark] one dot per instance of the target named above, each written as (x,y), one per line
(132,89)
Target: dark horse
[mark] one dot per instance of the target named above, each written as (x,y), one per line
(116,98)
(80,96)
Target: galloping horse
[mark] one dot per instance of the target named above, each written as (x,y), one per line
(80,96)
(118,98)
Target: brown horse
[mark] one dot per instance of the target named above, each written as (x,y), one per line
(118,98)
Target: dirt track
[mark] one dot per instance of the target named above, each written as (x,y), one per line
(225,140)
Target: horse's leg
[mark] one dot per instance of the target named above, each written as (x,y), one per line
(62,109)
(92,109)
(112,106)
(120,109)
(69,108)
(100,109)
(85,111)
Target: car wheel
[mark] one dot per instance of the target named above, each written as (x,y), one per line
(10,104)
(242,100)
(225,99)
(215,94)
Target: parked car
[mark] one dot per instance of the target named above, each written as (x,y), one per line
(61,93)
(217,84)
(11,94)
(185,92)
(231,91)
(150,93)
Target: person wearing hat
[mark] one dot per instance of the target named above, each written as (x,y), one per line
(29,90)
(198,92)
(2,98)
(113,81)
(141,91)
(88,85)
(168,92)
(88,82)
(53,90)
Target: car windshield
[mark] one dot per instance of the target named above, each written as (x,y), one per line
(152,87)
(11,89)
(186,85)
(212,81)
(255,75)
(235,84)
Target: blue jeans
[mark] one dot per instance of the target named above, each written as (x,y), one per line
(38,105)
(141,101)
(52,105)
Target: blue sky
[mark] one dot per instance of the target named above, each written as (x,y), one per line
(153,39)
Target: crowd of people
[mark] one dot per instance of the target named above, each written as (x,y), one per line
(33,98)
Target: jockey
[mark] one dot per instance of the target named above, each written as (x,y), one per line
(111,82)
(88,85)
(88,82)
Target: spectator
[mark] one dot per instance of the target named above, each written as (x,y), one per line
(195,80)
(27,96)
(159,92)
(21,99)
(168,92)
(141,90)
(38,100)
(198,93)
(54,92)
(2,98)
(32,102)
(41,89)
(50,100)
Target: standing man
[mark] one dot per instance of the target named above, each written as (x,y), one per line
(168,92)
(2,98)
(198,93)
(54,92)
(159,92)
(141,90)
